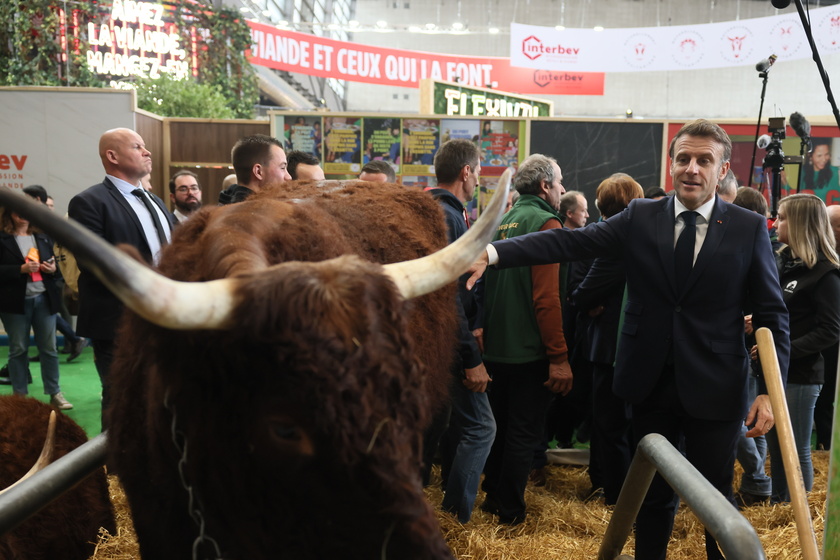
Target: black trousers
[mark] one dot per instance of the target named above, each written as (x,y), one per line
(103,357)
(709,445)
(519,401)
(824,409)
(610,447)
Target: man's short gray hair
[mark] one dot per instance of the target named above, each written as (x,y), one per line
(535,169)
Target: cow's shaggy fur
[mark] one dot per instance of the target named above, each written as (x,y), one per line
(302,423)
(68,527)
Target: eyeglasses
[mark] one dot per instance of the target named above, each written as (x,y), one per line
(193,189)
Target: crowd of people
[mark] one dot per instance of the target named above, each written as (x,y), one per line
(636,324)
(662,293)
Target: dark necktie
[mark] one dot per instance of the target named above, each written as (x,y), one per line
(684,250)
(151,208)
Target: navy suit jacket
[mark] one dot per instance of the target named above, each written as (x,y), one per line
(105,211)
(704,324)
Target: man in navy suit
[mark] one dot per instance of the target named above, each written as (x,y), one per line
(681,359)
(120,211)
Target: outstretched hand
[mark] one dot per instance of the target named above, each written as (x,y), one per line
(477,270)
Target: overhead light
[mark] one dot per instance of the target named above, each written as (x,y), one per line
(244,9)
(414,29)
(282,23)
(457,26)
(493,30)
(430,26)
(353,23)
(266,12)
(333,26)
(381,24)
(598,28)
(559,27)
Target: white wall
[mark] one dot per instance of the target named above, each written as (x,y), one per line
(57,130)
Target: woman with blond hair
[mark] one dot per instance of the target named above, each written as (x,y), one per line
(808,272)
(600,295)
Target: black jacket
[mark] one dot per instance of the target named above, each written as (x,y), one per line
(812,296)
(13,282)
(104,210)
(234,194)
(603,286)
(468,352)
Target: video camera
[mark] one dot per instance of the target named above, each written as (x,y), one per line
(775,157)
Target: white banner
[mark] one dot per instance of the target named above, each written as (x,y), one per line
(684,47)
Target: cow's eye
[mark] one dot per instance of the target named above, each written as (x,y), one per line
(286,431)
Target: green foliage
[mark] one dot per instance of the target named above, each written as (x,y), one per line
(221,52)
(30,45)
(169,97)
(31,54)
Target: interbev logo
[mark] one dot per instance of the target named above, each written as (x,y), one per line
(533,48)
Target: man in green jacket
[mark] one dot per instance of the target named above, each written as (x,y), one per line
(525,350)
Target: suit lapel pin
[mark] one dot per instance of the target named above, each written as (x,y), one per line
(720,221)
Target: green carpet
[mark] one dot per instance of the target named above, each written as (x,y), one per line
(79,383)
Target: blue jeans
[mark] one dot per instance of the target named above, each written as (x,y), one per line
(465,448)
(36,316)
(801,399)
(752,454)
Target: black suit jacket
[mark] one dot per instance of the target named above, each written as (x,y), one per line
(13,282)
(105,211)
(701,327)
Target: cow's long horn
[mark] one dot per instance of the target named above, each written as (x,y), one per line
(156,298)
(427,274)
(45,457)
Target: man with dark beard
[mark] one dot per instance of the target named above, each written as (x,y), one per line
(185,194)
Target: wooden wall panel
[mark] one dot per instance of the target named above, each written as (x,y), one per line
(209,142)
(151,130)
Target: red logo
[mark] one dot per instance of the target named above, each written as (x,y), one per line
(531,47)
(736,44)
(7,162)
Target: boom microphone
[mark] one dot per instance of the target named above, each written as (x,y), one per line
(763,141)
(800,125)
(764,65)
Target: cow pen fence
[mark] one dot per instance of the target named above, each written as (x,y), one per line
(735,535)
(27,498)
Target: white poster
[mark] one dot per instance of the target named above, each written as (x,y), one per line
(683,47)
(51,137)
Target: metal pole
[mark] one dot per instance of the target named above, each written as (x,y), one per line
(27,498)
(734,534)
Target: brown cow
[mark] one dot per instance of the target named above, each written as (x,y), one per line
(289,398)
(69,526)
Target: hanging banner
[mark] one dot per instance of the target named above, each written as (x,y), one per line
(327,58)
(444,98)
(679,47)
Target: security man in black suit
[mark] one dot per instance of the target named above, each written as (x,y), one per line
(120,211)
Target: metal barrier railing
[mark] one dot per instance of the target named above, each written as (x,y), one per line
(27,498)
(734,534)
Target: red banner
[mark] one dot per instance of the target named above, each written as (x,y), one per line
(327,58)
